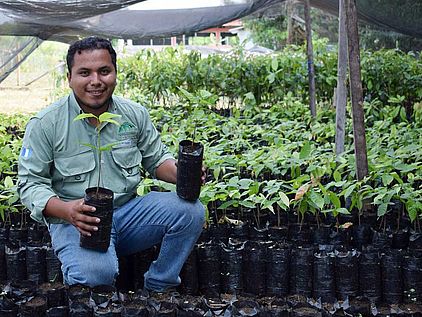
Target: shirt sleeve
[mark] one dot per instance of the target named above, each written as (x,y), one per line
(153,151)
(34,178)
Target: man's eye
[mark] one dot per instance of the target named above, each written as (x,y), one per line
(84,73)
(105,71)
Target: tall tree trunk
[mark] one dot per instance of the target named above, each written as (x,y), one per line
(290,27)
(341,91)
(356,90)
(310,54)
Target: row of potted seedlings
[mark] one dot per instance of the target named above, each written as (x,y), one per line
(326,265)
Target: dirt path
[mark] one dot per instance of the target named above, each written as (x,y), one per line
(23,99)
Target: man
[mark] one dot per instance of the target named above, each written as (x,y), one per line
(55,169)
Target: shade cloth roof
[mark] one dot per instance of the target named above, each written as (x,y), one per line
(64,20)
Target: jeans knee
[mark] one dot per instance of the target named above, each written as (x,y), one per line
(198,215)
(92,273)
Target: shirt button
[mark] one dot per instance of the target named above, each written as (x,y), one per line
(129,171)
(78,177)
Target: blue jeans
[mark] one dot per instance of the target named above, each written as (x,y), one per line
(158,217)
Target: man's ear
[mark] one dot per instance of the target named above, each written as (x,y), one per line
(68,76)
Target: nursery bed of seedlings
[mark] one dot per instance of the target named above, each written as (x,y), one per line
(290,231)
(232,271)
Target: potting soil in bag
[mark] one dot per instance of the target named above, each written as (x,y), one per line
(35,307)
(301,261)
(8,307)
(219,233)
(139,264)
(276,308)
(4,235)
(361,236)
(246,308)
(15,263)
(254,268)
(60,311)
(277,270)
(299,234)
(231,256)
(382,240)
(323,277)
(55,293)
(209,269)
(239,232)
(189,274)
(258,234)
(36,263)
(341,236)
(346,274)
(18,235)
(35,232)
(392,283)
(80,309)
(370,275)
(321,234)
(401,239)
(53,266)
(278,234)
(412,278)
(102,200)
(415,240)
(189,170)
(3,274)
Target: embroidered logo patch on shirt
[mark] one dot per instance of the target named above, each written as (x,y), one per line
(26,152)
(127,131)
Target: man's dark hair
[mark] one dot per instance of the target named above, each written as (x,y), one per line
(89,43)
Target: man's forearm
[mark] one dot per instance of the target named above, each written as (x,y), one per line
(57,208)
(167,171)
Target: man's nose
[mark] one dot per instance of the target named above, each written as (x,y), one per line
(95,78)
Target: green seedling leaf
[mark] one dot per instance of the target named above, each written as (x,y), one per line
(334,200)
(8,182)
(89,145)
(343,211)
(107,116)
(284,199)
(346,193)
(84,116)
(382,210)
(228,204)
(274,64)
(108,147)
(305,151)
(317,199)
(387,179)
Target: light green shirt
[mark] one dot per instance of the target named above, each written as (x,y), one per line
(55,163)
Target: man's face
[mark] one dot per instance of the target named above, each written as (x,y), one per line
(93,79)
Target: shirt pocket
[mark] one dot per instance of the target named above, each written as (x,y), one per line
(128,160)
(74,174)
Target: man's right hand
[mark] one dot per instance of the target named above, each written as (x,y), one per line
(74,212)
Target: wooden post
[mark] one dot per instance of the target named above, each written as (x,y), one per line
(356,90)
(290,27)
(310,54)
(341,91)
